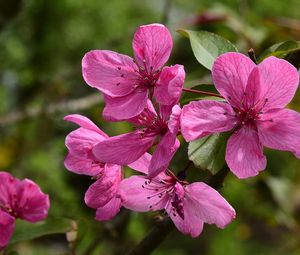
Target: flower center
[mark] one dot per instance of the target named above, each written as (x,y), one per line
(162,187)
(152,123)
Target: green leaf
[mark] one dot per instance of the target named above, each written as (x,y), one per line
(27,231)
(208,153)
(207,46)
(188,96)
(281,50)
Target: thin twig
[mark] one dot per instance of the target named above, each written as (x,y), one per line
(159,232)
(166,12)
(50,109)
(200,92)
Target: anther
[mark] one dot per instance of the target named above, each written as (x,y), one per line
(122,75)
(119,68)
(118,83)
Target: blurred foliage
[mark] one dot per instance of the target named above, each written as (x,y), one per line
(42,43)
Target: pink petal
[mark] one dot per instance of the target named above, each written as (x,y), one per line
(84,122)
(140,197)
(123,149)
(142,164)
(146,117)
(279,81)
(163,154)
(205,117)
(174,120)
(210,206)
(81,141)
(280,130)
(82,165)
(8,186)
(104,189)
(110,210)
(230,74)
(110,72)
(244,153)
(32,203)
(7,226)
(126,107)
(168,88)
(152,46)
(191,224)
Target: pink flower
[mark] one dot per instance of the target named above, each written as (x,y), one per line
(188,205)
(103,194)
(256,96)
(126,83)
(151,126)
(19,199)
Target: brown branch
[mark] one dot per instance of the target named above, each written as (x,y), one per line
(50,109)
(200,92)
(159,232)
(166,12)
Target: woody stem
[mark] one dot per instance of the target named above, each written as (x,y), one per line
(200,92)
(163,227)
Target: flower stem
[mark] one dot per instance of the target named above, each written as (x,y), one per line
(162,228)
(200,92)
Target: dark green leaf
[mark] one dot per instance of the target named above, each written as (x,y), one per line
(208,153)
(27,231)
(207,46)
(188,96)
(281,50)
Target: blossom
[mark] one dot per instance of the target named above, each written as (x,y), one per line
(103,193)
(19,199)
(151,127)
(126,82)
(256,96)
(188,205)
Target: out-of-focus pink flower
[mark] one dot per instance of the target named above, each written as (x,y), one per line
(103,193)
(256,96)
(188,205)
(19,199)
(126,82)
(152,127)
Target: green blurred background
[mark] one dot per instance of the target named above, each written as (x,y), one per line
(41,46)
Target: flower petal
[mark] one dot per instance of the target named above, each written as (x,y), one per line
(84,122)
(105,188)
(280,130)
(152,45)
(123,149)
(126,107)
(168,88)
(174,120)
(244,153)
(8,186)
(139,196)
(7,226)
(32,203)
(191,224)
(279,81)
(82,165)
(210,206)
(163,154)
(110,72)
(230,74)
(205,117)
(110,210)
(81,141)
(142,164)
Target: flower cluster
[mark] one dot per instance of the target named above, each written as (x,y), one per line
(19,199)
(145,93)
